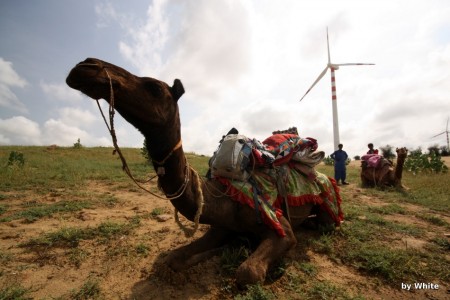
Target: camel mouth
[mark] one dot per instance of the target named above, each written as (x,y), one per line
(80,76)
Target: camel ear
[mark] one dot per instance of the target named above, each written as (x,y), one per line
(177,89)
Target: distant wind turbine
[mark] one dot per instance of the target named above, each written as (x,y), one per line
(446,132)
(332,68)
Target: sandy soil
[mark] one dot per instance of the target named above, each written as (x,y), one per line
(124,273)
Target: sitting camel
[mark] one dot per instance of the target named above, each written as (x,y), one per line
(151,106)
(378,171)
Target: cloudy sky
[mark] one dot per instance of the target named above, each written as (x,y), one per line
(244,64)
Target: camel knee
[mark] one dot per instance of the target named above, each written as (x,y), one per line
(249,273)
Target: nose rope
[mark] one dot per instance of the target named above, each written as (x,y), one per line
(125,167)
(188,168)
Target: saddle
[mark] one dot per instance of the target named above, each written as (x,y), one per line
(281,174)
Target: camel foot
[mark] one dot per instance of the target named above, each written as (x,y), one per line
(248,274)
(178,261)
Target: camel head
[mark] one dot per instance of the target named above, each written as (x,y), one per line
(147,103)
(401,152)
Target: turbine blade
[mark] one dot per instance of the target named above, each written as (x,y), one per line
(315,82)
(328,48)
(438,134)
(354,64)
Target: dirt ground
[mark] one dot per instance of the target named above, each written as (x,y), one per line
(125,274)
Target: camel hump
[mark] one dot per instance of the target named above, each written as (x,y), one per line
(177,89)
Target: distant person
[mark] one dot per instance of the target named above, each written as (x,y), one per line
(340,158)
(371,150)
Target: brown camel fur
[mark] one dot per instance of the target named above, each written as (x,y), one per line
(151,106)
(385,174)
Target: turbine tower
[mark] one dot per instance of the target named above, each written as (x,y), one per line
(333,67)
(446,132)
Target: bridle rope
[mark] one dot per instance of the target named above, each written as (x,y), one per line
(125,167)
(169,196)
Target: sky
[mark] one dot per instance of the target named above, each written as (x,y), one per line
(244,64)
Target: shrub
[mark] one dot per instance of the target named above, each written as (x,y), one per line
(144,151)
(387,152)
(16,158)
(328,161)
(415,152)
(78,145)
(434,149)
(431,163)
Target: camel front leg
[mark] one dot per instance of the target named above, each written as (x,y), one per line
(203,248)
(272,248)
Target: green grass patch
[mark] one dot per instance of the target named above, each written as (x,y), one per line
(157,211)
(324,290)
(433,219)
(232,257)
(256,292)
(388,209)
(35,211)
(395,265)
(443,243)
(3,208)
(71,236)
(89,290)
(14,292)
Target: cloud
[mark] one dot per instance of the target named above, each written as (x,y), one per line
(8,80)
(77,117)
(246,64)
(207,52)
(19,131)
(57,132)
(61,92)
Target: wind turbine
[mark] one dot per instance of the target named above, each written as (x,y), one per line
(333,67)
(446,132)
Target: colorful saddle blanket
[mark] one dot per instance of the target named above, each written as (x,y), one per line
(282,147)
(375,161)
(301,189)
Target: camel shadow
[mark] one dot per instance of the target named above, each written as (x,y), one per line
(214,276)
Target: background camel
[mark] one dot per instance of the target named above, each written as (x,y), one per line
(384,173)
(151,106)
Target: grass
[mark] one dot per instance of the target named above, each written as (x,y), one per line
(89,290)
(71,236)
(14,292)
(370,241)
(35,211)
(67,167)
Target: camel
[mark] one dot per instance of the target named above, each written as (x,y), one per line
(151,106)
(384,174)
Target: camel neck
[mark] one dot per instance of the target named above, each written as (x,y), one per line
(172,171)
(399,167)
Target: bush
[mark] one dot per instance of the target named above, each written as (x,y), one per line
(387,152)
(144,151)
(78,145)
(445,151)
(416,152)
(16,158)
(430,163)
(328,161)
(434,149)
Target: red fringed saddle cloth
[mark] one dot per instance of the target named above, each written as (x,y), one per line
(302,184)
(301,189)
